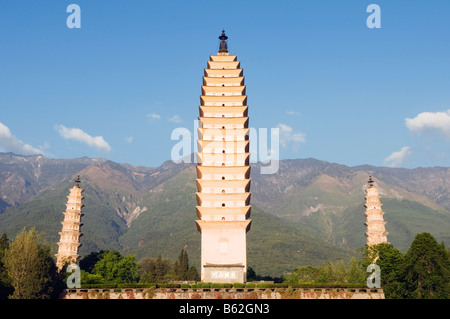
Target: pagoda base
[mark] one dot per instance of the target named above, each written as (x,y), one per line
(224,273)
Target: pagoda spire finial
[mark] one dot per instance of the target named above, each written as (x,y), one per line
(223,44)
(77,181)
(370,181)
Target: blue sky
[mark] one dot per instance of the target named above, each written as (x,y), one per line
(118,86)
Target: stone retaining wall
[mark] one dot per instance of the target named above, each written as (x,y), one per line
(224,293)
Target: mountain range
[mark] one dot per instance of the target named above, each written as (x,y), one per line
(308,213)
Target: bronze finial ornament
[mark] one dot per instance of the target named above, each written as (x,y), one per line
(223,44)
(370,181)
(77,181)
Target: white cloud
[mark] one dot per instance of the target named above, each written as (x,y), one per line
(396,158)
(154,116)
(287,135)
(293,113)
(430,121)
(129,139)
(175,119)
(80,136)
(10,143)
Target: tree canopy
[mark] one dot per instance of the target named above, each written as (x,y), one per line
(30,268)
(114,268)
(426,269)
(28,271)
(422,272)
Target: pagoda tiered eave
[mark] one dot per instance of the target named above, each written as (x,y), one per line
(223,111)
(205,213)
(223,57)
(223,82)
(219,134)
(223,160)
(217,225)
(224,122)
(223,65)
(218,186)
(235,90)
(212,147)
(225,173)
(225,100)
(226,73)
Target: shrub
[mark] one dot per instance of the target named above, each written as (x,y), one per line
(315,285)
(217,285)
(169,285)
(204,285)
(100,286)
(137,285)
(265,285)
(279,285)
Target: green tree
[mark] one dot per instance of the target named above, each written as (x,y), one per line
(3,243)
(147,270)
(356,272)
(192,274)
(390,260)
(31,268)
(304,275)
(115,268)
(181,266)
(88,262)
(156,270)
(161,269)
(182,270)
(5,287)
(147,277)
(332,273)
(340,272)
(87,278)
(329,273)
(251,274)
(426,269)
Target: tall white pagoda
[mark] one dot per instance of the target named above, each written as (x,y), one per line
(223,171)
(376,232)
(70,234)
